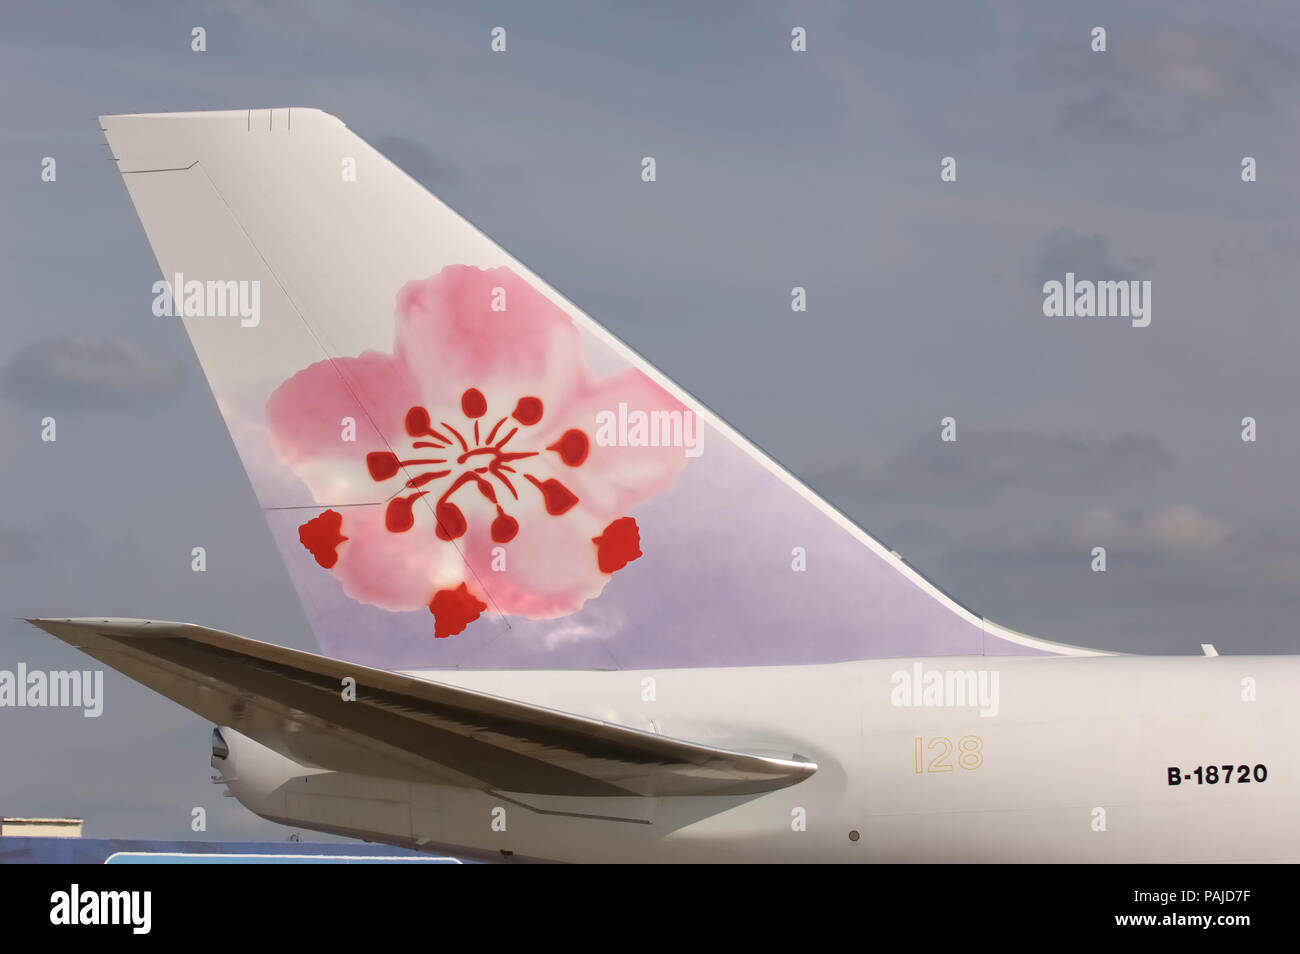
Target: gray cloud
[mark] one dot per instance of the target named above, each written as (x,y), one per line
(1161,80)
(1088,256)
(82,373)
(23,543)
(980,464)
(1175,577)
(1178,532)
(1108,113)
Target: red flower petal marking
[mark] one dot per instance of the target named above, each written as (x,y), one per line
(321,536)
(618,545)
(527,411)
(572,447)
(453,610)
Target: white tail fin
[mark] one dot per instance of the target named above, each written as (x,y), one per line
(460,467)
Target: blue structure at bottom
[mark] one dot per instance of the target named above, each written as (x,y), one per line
(118,851)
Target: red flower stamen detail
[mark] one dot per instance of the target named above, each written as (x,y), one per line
(572,447)
(398,517)
(493,433)
(528,411)
(463,445)
(381,464)
(558,498)
(425,478)
(504,527)
(321,537)
(451,522)
(618,545)
(473,403)
(484,487)
(418,423)
(495,469)
(453,610)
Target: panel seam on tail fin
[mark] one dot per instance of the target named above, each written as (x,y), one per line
(136,172)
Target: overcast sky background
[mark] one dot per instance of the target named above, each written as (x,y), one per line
(775,169)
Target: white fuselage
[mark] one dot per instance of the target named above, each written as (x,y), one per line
(995,759)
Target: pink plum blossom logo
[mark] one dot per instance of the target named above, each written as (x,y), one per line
(489,487)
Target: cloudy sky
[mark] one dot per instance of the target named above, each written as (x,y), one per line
(775,169)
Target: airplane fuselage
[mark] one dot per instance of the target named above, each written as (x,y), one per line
(1096,759)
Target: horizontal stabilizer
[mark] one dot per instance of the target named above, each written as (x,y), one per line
(402,727)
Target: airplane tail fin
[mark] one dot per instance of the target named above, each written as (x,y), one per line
(459,467)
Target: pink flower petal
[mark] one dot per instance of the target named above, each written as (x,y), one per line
(613,479)
(453,340)
(482,437)
(307,419)
(550,567)
(395,571)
